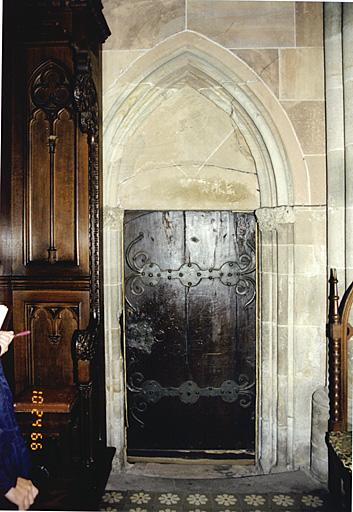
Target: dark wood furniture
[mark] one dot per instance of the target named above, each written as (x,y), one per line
(54,423)
(50,219)
(339,438)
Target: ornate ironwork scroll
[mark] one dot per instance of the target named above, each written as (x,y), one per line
(150,392)
(231,273)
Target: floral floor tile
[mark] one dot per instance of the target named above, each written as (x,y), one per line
(144,501)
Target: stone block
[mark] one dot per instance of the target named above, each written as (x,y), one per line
(115,62)
(319,422)
(335,119)
(301,74)
(336,178)
(112,247)
(113,304)
(268,332)
(310,225)
(266,302)
(142,23)
(282,372)
(267,255)
(317,173)
(348,99)
(310,299)
(310,260)
(265,64)
(310,360)
(308,118)
(238,24)
(319,467)
(283,299)
(309,23)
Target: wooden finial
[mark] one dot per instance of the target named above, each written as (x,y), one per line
(333,297)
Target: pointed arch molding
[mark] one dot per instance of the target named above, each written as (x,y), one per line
(231,85)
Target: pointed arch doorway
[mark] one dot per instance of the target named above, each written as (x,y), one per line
(143,106)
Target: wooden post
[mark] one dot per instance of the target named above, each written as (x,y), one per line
(335,354)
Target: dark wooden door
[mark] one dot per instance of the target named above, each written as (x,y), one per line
(190,331)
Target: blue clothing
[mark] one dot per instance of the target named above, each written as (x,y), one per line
(14,456)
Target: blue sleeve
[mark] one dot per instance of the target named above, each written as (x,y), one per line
(14,456)
(7,476)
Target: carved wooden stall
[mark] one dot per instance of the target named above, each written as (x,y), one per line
(51,214)
(339,438)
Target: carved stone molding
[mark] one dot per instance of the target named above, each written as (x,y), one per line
(269,219)
(113,217)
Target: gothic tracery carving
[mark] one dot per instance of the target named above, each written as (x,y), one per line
(86,104)
(51,89)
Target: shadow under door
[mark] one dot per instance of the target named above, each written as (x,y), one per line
(190,334)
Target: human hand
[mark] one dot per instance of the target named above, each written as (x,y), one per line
(5,339)
(23,495)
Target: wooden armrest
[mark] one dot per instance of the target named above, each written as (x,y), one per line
(55,400)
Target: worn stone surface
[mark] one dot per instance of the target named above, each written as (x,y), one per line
(301,74)
(115,62)
(312,259)
(264,63)
(309,23)
(310,226)
(178,478)
(308,118)
(142,23)
(317,172)
(188,153)
(243,24)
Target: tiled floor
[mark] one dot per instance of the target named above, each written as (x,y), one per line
(287,492)
(143,501)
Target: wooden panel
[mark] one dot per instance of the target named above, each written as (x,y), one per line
(190,332)
(65,188)
(44,357)
(47,74)
(38,188)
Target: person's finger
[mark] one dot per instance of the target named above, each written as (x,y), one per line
(35,491)
(27,502)
(5,340)
(23,505)
(7,335)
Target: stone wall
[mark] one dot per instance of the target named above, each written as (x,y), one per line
(220,105)
(339,107)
